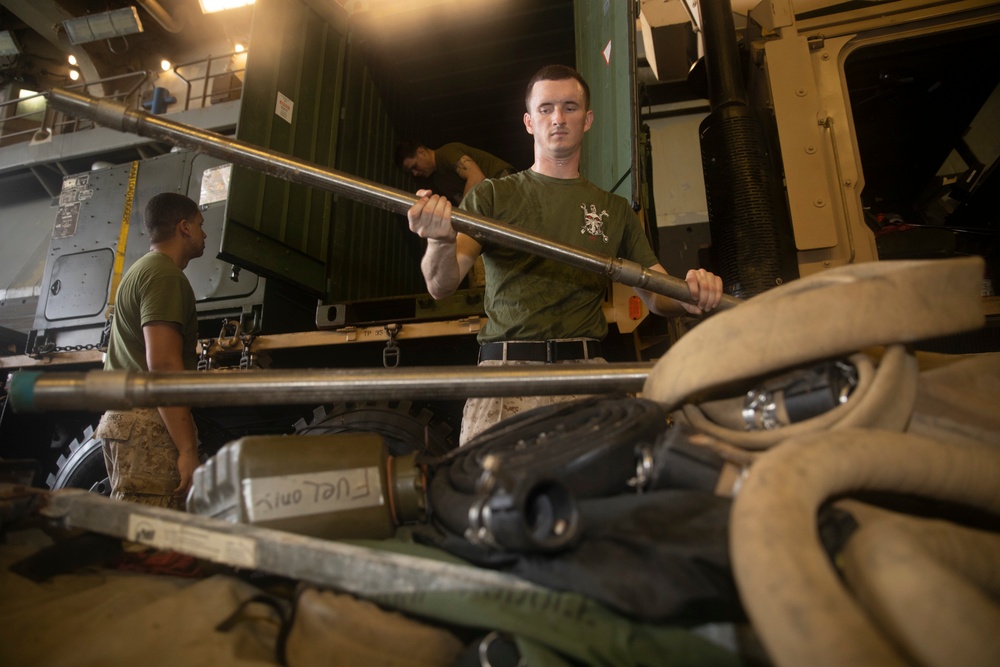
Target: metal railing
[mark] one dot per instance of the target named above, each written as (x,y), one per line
(19,126)
(231,83)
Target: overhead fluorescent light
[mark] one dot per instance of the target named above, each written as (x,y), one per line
(95,27)
(8,45)
(211,6)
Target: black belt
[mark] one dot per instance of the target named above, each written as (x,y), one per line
(548,351)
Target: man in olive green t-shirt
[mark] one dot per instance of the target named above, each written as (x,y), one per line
(541,311)
(453,169)
(151,453)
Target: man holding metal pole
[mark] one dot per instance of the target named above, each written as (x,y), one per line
(540,310)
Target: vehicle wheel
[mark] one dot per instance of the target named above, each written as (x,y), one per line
(406,426)
(82,467)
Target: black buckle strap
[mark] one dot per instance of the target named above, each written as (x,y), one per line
(549,351)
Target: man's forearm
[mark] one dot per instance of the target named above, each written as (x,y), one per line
(440,268)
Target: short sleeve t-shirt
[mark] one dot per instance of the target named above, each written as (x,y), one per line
(533,298)
(445,178)
(153,289)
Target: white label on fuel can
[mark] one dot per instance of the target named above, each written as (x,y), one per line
(280,497)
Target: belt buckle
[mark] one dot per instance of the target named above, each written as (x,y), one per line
(550,352)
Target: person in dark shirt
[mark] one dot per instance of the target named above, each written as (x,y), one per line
(451,170)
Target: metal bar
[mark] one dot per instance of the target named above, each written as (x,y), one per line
(33,391)
(363,571)
(119,117)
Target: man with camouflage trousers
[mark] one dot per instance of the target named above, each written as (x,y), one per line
(151,453)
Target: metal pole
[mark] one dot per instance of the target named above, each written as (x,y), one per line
(119,117)
(34,391)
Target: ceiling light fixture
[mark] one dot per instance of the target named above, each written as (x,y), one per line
(95,27)
(74,75)
(71,59)
(8,45)
(211,6)
(165,65)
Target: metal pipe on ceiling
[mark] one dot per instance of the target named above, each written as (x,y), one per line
(485,230)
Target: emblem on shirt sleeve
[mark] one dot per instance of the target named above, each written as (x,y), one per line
(593,222)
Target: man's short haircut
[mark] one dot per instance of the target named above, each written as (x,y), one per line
(164,211)
(406,149)
(556,73)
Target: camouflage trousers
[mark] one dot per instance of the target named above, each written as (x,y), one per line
(140,457)
(481,413)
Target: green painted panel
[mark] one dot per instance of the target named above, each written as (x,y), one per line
(296,60)
(605,33)
(374,255)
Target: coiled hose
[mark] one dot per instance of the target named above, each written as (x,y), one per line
(927,583)
(791,593)
(827,315)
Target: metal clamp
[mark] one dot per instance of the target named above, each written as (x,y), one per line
(643,469)
(205,361)
(484,651)
(479,532)
(226,340)
(760,411)
(247,358)
(391,353)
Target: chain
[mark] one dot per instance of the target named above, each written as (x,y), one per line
(49,348)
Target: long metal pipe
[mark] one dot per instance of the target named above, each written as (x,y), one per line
(37,391)
(119,117)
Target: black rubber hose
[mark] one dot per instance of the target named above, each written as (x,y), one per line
(540,462)
(588,444)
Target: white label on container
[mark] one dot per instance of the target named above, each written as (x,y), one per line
(268,498)
(283,107)
(217,547)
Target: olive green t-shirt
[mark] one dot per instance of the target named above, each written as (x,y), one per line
(445,178)
(532,298)
(153,289)
(448,156)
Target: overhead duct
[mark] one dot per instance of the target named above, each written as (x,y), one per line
(97,27)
